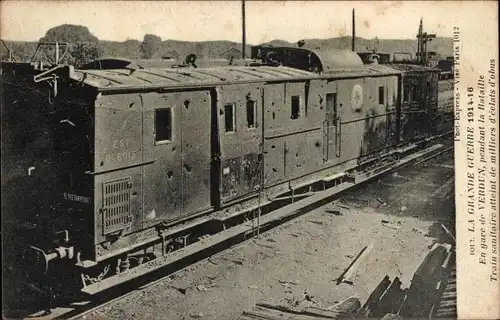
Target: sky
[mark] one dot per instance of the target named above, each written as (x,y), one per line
(221,20)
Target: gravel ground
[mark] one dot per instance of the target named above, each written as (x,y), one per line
(307,255)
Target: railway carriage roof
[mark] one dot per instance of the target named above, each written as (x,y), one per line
(123,75)
(126,79)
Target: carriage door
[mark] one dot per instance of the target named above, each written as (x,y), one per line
(331,127)
(176,142)
(240,136)
(162,179)
(195,150)
(350,118)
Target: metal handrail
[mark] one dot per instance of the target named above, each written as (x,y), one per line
(57,44)
(11,58)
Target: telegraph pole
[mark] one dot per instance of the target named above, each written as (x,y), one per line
(419,42)
(353,31)
(423,39)
(244,40)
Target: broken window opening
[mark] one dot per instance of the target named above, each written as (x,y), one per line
(229,118)
(295,107)
(163,125)
(331,105)
(381,95)
(251,114)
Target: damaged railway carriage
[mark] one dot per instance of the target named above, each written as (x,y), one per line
(128,162)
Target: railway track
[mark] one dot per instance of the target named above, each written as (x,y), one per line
(448,303)
(220,243)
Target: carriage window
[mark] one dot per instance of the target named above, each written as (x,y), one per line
(295,107)
(251,113)
(381,95)
(331,105)
(406,93)
(229,118)
(163,125)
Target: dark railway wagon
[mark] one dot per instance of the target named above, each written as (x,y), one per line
(113,167)
(447,68)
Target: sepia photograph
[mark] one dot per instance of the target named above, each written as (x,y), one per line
(249,160)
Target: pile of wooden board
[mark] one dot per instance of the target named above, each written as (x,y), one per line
(387,302)
(344,310)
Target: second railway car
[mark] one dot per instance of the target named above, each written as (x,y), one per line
(116,165)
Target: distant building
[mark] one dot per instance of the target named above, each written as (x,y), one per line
(232,53)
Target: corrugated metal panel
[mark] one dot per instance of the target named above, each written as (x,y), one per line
(124,78)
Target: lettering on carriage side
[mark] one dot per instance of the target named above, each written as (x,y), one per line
(120,144)
(76,198)
(121,156)
(120,151)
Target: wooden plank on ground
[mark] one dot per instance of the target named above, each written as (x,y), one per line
(352,268)
(444,165)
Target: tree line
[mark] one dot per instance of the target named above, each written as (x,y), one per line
(83,46)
